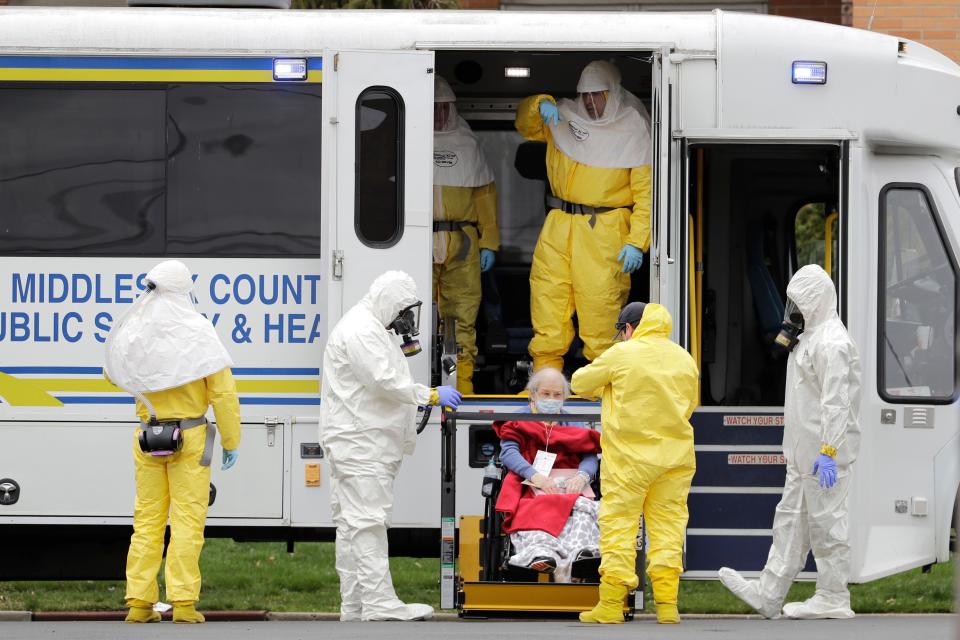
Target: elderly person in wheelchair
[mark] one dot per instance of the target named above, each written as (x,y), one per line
(548,507)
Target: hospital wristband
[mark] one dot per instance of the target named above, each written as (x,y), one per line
(827,450)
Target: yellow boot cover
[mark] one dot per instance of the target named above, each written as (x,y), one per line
(186,613)
(667,614)
(610,608)
(140,611)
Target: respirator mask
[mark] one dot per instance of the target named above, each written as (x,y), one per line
(407,325)
(791,328)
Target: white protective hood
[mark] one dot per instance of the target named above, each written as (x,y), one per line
(162,341)
(389,294)
(814,294)
(619,139)
(458,160)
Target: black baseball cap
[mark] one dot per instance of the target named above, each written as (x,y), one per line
(630,314)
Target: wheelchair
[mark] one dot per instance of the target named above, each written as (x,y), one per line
(488,586)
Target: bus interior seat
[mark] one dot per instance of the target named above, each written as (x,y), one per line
(531,160)
(766,297)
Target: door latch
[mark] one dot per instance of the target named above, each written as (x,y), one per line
(271,424)
(338,264)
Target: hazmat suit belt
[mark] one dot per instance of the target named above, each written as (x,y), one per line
(183,424)
(554,202)
(452,225)
(190,423)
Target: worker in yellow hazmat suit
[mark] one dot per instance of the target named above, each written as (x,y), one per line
(169,356)
(466,236)
(598,165)
(648,390)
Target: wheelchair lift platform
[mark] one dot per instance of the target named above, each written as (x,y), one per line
(474,577)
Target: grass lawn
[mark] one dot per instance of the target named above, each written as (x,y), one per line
(263,576)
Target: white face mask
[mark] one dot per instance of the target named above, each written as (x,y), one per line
(548,405)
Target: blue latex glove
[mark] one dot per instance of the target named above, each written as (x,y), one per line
(826,468)
(549,113)
(487,258)
(229,458)
(449,397)
(631,257)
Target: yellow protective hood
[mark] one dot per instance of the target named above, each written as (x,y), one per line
(656,321)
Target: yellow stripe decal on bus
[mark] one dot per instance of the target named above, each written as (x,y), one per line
(22,393)
(102,386)
(144,75)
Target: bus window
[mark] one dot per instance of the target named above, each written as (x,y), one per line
(81,171)
(816,238)
(378,216)
(243,170)
(917,299)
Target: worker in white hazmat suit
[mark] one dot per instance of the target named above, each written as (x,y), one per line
(169,357)
(368,411)
(821,438)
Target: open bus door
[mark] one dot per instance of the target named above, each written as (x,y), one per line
(909,410)
(378,114)
(663,268)
(753,208)
(378,173)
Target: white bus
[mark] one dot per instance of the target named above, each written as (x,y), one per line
(286,157)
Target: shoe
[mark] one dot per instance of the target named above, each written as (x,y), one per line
(820,607)
(610,608)
(137,613)
(186,613)
(587,554)
(405,612)
(350,616)
(749,592)
(543,564)
(667,614)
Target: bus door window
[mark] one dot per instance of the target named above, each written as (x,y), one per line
(378,216)
(917,299)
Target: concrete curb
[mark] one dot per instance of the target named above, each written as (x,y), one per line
(322,616)
(118,616)
(319,616)
(15,616)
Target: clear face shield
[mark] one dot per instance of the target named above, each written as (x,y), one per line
(407,325)
(791,328)
(595,102)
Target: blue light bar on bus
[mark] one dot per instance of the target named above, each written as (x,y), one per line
(290,69)
(807,72)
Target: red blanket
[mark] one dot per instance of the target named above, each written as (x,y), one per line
(523,510)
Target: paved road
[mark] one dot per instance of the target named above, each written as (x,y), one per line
(934,627)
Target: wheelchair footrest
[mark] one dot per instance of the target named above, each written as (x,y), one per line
(505,598)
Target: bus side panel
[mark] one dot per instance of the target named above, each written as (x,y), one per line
(57,407)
